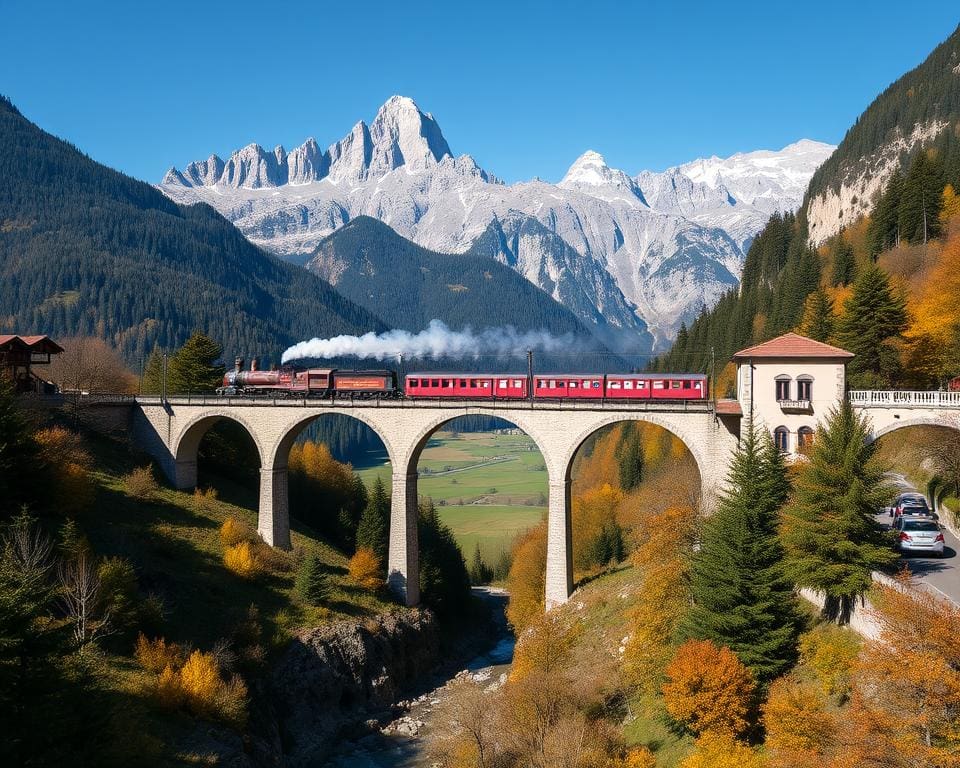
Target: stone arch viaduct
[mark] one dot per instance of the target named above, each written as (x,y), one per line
(171,431)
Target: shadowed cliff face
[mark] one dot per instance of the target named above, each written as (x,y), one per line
(334,676)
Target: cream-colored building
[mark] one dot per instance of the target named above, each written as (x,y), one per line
(788,385)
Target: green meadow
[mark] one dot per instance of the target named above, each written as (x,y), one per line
(488,487)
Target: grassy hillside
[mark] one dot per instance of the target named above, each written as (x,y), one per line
(85,250)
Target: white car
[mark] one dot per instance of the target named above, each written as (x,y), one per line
(918,534)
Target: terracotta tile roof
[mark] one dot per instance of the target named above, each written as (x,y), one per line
(40,343)
(729,408)
(792,345)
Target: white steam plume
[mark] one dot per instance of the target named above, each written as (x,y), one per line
(436,341)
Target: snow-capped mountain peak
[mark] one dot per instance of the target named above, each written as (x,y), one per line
(591,175)
(622,253)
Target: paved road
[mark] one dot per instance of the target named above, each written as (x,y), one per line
(938,574)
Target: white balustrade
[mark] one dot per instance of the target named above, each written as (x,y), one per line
(865,398)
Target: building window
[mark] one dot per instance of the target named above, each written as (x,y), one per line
(783,388)
(804,438)
(781,436)
(804,388)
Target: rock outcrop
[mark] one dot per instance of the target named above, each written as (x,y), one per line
(334,676)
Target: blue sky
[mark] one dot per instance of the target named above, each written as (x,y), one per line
(525,87)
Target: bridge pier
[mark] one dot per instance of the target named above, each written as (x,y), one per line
(559,576)
(184,475)
(403,557)
(273,522)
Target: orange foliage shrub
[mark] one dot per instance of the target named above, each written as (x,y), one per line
(830,651)
(708,689)
(66,464)
(365,570)
(591,513)
(204,500)
(545,646)
(638,757)
(526,579)
(156,655)
(141,484)
(799,727)
(200,681)
(721,750)
(232,532)
(169,692)
(240,559)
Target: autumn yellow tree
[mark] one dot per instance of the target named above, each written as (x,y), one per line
(915,690)
(526,579)
(661,596)
(545,646)
(242,560)
(798,725)
(364,569)
(721,750)
(708,689)
(65,464)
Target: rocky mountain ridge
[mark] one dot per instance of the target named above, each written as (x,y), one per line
(653,248)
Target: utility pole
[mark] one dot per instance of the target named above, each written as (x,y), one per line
(163,395)
(530,375)
(713,378)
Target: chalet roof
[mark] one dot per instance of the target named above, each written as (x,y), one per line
(31,343)
(793,345)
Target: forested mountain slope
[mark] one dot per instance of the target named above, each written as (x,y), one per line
(829,287)
(921,108)
(408,285)
(87,250)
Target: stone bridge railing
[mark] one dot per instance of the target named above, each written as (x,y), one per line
(865,398)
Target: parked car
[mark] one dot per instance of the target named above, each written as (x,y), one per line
(911,499)
(918,533)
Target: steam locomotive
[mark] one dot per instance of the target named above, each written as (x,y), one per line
(335,383)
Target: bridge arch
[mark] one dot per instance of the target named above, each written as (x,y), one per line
(689,441)
(924,420)
(186,444)
(280,451)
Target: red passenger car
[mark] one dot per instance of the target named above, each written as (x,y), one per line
(467,386)
(568,386)
(657,386)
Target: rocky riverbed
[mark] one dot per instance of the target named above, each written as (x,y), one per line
(399,740)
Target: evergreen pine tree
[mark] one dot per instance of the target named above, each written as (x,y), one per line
(312,583)
(373,531)
(872,317)
(844,263)
(195,368)
(884,231)
(832,541)
(444,581)
(818,320)
(919,209)
(480,572)
(17,450)
(742,597)
(153,374)
(631,460)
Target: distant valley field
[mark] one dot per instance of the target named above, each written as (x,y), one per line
(488,486)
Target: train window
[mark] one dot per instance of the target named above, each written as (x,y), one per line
(502,383)
(674,385)
(628,385)
(412,383)
(686,385)
(614,385)
(642,384)
(659,384)
(596,385)
(573,385)
(435,383)
(699,385)
(473,382)
(448,383)
(463,382)
(485,384)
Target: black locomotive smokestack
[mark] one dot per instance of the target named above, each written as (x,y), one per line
(238,364)
(255,364)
